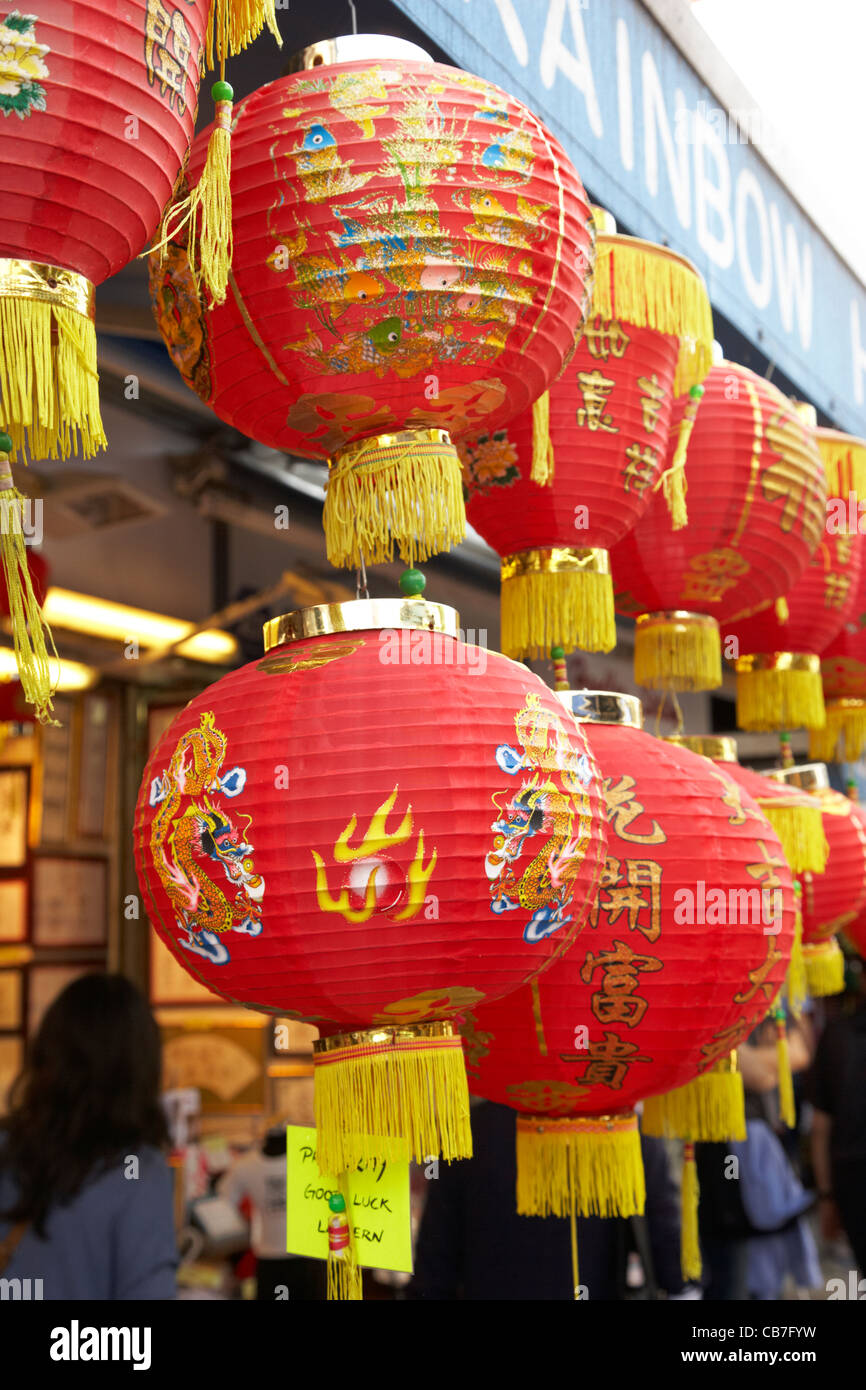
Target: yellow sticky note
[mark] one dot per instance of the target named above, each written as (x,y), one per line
(378,1206)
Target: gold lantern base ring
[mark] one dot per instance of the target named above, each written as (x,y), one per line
(557,597)
(393,1092)
(48,380)
(677,650)
(402,491)
(779,690)
(580,1165)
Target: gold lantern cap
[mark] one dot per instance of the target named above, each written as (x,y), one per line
(809,777)
(722,748)
(603,707)
(361,615)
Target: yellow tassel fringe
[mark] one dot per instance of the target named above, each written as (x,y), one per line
(233,24)
(541,469)
(29,628)
(796,983)
(48,379)
(592,1166)
(636,284)
(710,1108)
(407,1097)
(779,698)
(408,492)
(690,1245)
(677,655)
(206,214)
(843,738)
(825,967)
(557,608)
(844,464)
(345,1282)
(800,829)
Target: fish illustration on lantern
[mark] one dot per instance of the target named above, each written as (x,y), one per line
(324,173)
(353,93)
(493,222)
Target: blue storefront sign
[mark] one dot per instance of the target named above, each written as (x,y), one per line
(653,145)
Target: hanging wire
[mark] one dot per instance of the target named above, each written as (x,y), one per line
(354,16)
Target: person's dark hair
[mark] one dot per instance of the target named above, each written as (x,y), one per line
(88,1094)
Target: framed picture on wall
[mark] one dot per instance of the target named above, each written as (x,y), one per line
(11,1000)
(14,800)
(44,983)
(57,757)
(169,982)
(70,901)
(13,909)
(93,766)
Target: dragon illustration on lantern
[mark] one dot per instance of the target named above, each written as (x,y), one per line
(541,807)
(191,834)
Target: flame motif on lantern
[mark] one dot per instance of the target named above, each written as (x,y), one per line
(546,886)
(191,827)
(373,881)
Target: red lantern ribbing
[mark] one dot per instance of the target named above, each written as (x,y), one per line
(649,337)
(373,828)
(673,969)
(412,251)
(757,494)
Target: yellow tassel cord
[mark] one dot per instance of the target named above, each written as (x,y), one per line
(673,480)
(796,983)
(690,1245)
(396,1089)
(677,651)
(843,738)
(649,287)
(825,967)
(48,379)
(557,598)
(29,628)
(779,697)
(205,213)
(592,1166)
(345,1281)
(710,1108)
(541,470)
(800,829)
(787,1108)
(402,489)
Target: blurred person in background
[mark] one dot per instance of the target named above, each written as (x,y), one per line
(472,1245)
(839,1123)
(86,1196)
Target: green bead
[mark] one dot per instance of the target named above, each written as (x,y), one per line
(696,392)
(5,444)
(557,653)
(222,91)
(336,1201)
(412,582)
(784,738)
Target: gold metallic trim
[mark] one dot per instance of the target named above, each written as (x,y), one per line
(849,440)
(49,283)
(679,618)
(778,661)
(605,222)
(361,615)
(556,560)
(720,747)
(603,707)
(845,703)
(386,1036)
(623,1121)
(809,777)
(805,411)
(347,454)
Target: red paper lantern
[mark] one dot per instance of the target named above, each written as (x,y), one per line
(374,828)
(843,663)
(756,497)
(834,898)
(649,336)
(411,258)
(855,931)
(37,567)
(673,969)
